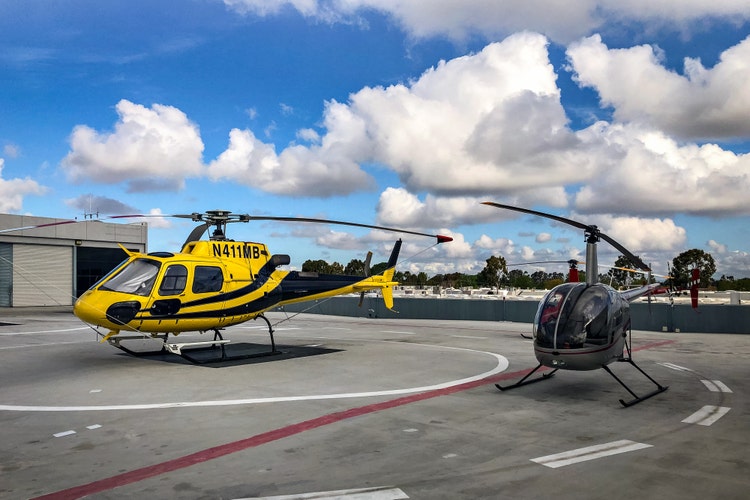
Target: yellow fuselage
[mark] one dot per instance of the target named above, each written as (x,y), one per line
(207,286)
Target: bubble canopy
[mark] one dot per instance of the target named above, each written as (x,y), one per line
(575,315)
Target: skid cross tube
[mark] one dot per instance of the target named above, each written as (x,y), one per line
(221,343)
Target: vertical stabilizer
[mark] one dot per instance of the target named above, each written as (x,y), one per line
(394,255)
(387,290)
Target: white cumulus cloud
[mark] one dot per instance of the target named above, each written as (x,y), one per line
(458,19)
(12,191)
(639,234)
(324,170)
(644,171)
(150,149)
(699,103)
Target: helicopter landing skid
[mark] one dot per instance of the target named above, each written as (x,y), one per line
(636,399)
(180,349)
(219,341)
(167,347)
(523,381)
(117,342)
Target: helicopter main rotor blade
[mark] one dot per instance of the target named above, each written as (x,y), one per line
(627,253)
(590,228)
(570,222)
(48,224)
(216,217)
(197,233)
(440,238)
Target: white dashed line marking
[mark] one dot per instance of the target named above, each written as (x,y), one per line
(71,432)
(676,367)
(589,453)
(9,334)
(379,493)
(707,415)
(716,386)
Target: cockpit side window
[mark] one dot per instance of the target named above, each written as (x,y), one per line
(207,279)
(136,278)
(174,280)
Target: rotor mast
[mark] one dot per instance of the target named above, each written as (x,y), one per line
(592,265)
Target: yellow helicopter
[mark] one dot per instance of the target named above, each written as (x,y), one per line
(213,284)
(586,325)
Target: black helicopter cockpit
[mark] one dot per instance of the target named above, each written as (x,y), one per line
(575,316)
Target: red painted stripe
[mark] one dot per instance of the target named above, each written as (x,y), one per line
(651,345)
(266,437)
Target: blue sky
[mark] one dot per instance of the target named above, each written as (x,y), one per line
(629,114)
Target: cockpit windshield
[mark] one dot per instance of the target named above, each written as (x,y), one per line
(571,315)
(136,278)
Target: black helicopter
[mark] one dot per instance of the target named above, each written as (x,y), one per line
(585,325)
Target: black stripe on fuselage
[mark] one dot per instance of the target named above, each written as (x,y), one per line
(295,285)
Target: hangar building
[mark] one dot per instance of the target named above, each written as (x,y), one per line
(53,264)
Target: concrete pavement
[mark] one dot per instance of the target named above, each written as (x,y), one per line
(366,408)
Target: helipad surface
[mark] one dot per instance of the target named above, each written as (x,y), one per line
(366,408)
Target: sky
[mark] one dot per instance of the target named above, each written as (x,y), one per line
(633,115)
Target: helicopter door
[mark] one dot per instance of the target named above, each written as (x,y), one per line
(172,283)
(208,279)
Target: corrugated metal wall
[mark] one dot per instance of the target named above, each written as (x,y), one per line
(42,275)
(6,275)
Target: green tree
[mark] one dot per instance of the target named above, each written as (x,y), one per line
(554,279)
(729,283)
(621,277)
(458,280)
(355,267)
(490,275)
(539,277)
(683,264)
(436,280)
(336,268)
(315,266)
(379,268)
(322,267)
(520,279)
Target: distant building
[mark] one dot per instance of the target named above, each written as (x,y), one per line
(53,265)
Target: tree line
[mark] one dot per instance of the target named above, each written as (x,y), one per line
(497,275)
